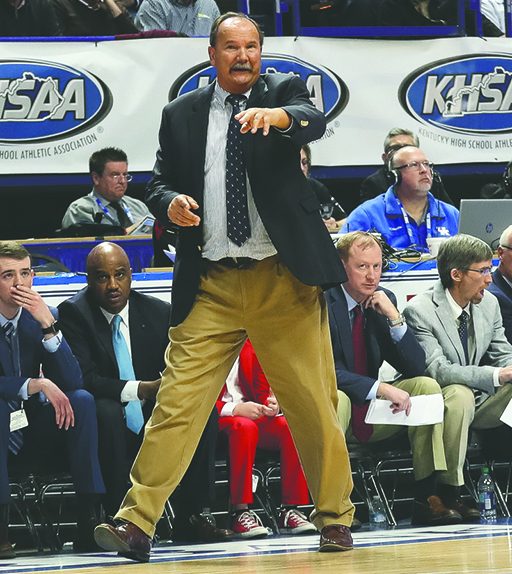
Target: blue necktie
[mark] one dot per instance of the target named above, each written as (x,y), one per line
(15,437)
(133,409)
(238,224)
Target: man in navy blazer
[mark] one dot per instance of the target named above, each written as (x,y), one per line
(40,378)
(251,257)
(86,320)
(386,337)
(501,285)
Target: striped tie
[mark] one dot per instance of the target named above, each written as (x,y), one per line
(15,437)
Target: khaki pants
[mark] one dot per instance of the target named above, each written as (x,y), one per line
(428,450)
(287,324)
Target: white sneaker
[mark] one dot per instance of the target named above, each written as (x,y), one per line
(292,521)
(247,524)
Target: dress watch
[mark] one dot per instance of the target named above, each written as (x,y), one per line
(53,329)
(398,322)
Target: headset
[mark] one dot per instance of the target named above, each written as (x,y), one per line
(393,176)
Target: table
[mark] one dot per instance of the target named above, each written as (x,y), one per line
(72,252)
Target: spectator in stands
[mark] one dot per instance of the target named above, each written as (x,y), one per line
(501,285)
(458,323)
(430,13)
(41,389)
(93,18)
(367,329)
(106,205)
(124,387)
(377,182)
(28,18)
(251,418)
(190,17)
(407,214)
(494,11)
(331,211)
(500,190)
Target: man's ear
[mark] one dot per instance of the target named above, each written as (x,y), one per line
(456,275)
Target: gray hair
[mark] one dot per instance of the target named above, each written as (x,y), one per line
(399,132)
(460,252)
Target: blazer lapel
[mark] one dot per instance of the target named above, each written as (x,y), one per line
(138,336)
(5,355)
(342,322)
(445,315)
(198,129)
(502,284)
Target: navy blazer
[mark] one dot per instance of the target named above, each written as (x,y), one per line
(90,337)
(503,292)
(406,356)
(288,209)
(61,367)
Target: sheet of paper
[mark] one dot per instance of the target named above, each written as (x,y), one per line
(506,417)
(425,410)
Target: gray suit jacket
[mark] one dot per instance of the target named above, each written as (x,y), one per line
(430,317)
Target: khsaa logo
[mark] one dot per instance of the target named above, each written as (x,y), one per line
(45,100)
(471,94)
(327,91)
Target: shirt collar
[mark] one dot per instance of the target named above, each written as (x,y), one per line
(351,302)
(455,307)
(220,94)
(14,320)
(434,206)
(123,313)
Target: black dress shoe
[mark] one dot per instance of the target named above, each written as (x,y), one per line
(468,513)
(200,528)
(6,550)
(335,538)
(433,513)
(125,538)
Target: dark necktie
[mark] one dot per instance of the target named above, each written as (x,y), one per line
(463,333)
(133,409)
(122,216)
(15,437)
(360,429)
(238,224)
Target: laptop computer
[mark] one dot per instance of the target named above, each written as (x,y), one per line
(485,218)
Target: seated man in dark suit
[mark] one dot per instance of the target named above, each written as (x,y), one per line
(501,285)
(367,329)
(43,407)
(119,337)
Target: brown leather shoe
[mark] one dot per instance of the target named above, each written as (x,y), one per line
(200,528)
(7,551)
(335,538)
(433,513)
(468,513)
(125,538)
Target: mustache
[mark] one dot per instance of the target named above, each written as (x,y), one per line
(242,68)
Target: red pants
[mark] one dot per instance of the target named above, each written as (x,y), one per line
(271,433)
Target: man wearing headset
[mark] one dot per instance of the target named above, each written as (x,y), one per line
(407,214)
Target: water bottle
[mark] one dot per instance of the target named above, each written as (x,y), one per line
(486,497)
(377,514)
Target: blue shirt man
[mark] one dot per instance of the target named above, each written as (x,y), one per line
(407,214)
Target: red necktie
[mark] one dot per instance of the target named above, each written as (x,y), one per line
(360,429)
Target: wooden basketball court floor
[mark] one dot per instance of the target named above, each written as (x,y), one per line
(468,549)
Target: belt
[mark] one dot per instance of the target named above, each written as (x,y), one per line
(237,262)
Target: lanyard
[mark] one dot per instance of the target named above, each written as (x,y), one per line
(124,207)
(408,226)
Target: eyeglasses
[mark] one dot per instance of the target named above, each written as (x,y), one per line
(416,165)
(506,247)
(483,271)
(119,176)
